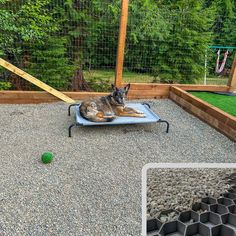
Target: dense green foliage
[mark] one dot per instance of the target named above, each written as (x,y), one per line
(168,39)
(225,103)
(5,85)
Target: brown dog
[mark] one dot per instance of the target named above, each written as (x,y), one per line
(105,109)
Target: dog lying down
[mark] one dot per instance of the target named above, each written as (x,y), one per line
(107,108)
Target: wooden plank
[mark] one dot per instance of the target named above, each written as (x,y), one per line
(222,127)
(150,87)
(19,97)
(137,91)
(147,97)
(22,97)
(205,106)
(232,123)
(190,98)
(197,87)
(121,42)
(149,92)
(232,80)
(35,81)
(218,119)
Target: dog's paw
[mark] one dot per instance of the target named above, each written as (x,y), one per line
(142,115)
(139,112)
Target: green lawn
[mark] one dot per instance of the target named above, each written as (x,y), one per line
(108,76)
(225,103)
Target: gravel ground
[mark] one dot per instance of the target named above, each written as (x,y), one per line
(93,187)
(179,189)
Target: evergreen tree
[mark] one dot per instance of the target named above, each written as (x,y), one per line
(144,33)
(181,56)
(56,40)
(223,32)
(49,63)
(28,40)
(224,25)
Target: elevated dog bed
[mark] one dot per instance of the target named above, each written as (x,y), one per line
(151,117)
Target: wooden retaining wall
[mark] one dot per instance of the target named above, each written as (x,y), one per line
(137,91)
(35,97)
(213,116)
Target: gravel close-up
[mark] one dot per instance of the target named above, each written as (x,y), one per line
(179,189)
(93,185)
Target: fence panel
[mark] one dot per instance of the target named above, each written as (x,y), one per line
(71,44)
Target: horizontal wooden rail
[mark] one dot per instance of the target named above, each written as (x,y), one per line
(196,87)
(29,97)
(137,91)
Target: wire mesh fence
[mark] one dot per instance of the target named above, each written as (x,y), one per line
(172,46)
(71,44)
(218,64)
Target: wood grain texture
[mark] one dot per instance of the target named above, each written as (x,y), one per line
(22,97)
(35,81)
(137,91)
(232,80)
(190,87)
(218,119)
(121,42)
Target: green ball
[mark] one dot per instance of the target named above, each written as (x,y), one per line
(47,157)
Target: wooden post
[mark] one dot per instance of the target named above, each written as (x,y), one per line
(35,81)
(232,80)
(121,42)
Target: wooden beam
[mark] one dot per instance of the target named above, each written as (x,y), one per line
(137,91)
(121,42)
(215,117)
(197,87)
(28,97)
(35,81)
(232,80)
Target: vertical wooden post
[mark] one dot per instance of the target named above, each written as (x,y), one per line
(232,80)
(121,42)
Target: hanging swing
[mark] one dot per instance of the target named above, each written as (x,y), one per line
(219,68)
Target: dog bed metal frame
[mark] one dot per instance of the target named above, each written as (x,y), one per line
(151,117)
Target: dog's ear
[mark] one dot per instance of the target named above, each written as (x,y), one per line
(114,88)
(126,88)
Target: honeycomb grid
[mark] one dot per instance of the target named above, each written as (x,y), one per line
(209,217)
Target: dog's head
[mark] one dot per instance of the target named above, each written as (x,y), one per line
(119,94)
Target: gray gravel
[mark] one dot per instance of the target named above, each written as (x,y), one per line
(93,186)
(179,189)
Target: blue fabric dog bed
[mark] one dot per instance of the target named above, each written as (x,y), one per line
(151,117)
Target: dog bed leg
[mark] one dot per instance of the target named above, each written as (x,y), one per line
(72,105)
(71,126)
(147,104)
(167,124)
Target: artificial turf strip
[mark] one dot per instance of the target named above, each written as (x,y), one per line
(224,102)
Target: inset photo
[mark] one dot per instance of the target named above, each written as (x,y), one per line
(190,201)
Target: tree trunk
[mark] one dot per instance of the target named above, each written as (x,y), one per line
(79,83)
